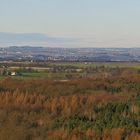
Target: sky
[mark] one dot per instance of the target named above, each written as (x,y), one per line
(83,23)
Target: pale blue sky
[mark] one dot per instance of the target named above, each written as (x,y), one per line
(97,23)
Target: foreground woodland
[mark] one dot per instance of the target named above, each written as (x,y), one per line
(91,108)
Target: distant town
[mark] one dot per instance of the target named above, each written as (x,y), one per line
(30,53)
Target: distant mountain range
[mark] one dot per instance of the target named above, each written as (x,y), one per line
(8,39)
(33,39)
(69,54)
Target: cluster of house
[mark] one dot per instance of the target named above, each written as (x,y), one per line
(15,73)
(4,72)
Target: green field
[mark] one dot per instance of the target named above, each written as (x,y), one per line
(35,74)
(48,65)
(68,70)
(94,64)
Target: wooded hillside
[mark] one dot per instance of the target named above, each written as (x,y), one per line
(80,109)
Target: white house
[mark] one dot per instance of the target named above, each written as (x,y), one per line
(13,73)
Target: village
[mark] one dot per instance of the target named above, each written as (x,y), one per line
(5,72)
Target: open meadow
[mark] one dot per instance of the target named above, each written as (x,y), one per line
(64,70)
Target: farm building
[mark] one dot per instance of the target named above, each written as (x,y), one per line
(15,74)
